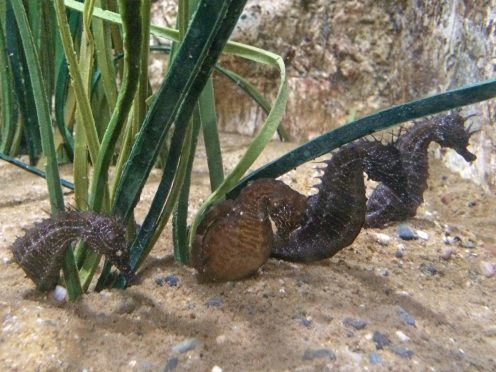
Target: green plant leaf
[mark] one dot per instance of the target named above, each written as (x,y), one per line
(372,123)
(209,29)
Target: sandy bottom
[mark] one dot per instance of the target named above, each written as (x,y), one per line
(396,306)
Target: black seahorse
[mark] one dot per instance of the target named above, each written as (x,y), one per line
(40,252)
(395,202)
(235,238)
(335,215)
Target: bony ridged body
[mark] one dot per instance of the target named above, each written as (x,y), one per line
(235,238)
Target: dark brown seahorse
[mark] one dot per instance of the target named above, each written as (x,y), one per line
(235,237)
(335,215)
(395,202)
(40,252)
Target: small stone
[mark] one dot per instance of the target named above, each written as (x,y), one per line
(171,364)
(422,235)
(186,345)
(303,319)
(488,269)
(449,240)
(383,239)
(402,352)
(374,358)
(406,317)
(358,324)
(405,233)
(216,369)
(469,244)
(402,337)
(171,280)
(59,294)
(214,302)
(383,272)
(398,253)
(381,340)
(429,269)
(311,354)
(447,253)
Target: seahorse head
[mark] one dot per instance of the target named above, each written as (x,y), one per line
(108,236)
(287,209)
(451,132)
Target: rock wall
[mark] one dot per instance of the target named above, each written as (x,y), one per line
(345,59)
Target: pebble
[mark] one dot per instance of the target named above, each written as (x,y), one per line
(354,323)
(59,294)
(171,364)
(216,369)
(488,269)
(447,253)
(383,239)
(402,352)
(429,269)
(449,240)
(374,358)
(402,337)
(406,317)
(469,244)
(422,235)
(303,319)
(186,345)
(311,354)
(405,233)
(383,272)
(214,302)
(171,280)
(398,253)
(381,340)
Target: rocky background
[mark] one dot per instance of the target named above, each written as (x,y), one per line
(346,59)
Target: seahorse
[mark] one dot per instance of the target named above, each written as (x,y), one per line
(235,237)
(335,215)
(394,202)
(40,252)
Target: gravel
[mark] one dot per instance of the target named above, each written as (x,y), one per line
(447,253)
(171,364)
(381,340)
(354,323)
(488,269)
(171,280)
(186,345)
(402,352)
(59,294)
(311,354)
(383,239)
(405,232)
(422,235)
(429,269)
(214,302)
(374,358)
(303,319)
(406,316)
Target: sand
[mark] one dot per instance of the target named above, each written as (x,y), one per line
(378,305)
